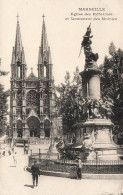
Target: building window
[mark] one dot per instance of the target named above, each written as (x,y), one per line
(18,111)
(32,98)
(19,97)
(41,94)
(45,71)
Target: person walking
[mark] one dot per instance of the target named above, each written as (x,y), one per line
(27,149)
(35,173)
(24,149)
(79,169)
(13,149)
(14,159)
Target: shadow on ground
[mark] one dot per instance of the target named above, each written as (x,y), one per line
(12,166)
(29,186)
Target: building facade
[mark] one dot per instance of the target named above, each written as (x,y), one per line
(32,100)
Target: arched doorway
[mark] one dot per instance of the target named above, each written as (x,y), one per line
(47,128)
(34,126)
(19,128)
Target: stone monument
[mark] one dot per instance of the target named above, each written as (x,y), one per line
(98,124)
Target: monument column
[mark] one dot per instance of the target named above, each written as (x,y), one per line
(98,126)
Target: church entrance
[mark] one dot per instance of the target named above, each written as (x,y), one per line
(34,126)
(47,128)
(19,128)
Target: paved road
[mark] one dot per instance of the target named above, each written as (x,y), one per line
(16,181)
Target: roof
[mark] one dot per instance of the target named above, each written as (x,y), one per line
(32,77)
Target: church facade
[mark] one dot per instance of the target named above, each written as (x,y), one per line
(32,101)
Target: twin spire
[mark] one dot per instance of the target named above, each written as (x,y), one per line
(18,55)
(44,41)
(44,50)
(18,50)
(18,41)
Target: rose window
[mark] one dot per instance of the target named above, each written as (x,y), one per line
(32,98)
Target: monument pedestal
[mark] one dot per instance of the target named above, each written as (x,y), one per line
(100,131)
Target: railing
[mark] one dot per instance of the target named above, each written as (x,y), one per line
(103,167)
(90,166)
(34,140)
(38,157)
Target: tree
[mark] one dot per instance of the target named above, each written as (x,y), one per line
(2,72)
(3,106)
(3,109)
(112,84)
(70,101)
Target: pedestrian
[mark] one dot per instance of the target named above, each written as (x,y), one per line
(27,150)
(79,169)
(14,159)
(24,150)
(4,153)
(9,152)
(28,141)
(35,173)
(13,149)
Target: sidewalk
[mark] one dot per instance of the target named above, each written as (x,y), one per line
(16,181)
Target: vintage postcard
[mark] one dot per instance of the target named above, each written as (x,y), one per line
(61,97)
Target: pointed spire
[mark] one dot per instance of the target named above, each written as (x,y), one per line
(43,17)
(18,55)
(44,50)
(44,42)
(18,41)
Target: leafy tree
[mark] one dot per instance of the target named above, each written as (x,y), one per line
(2,72)
(70,101)
(112,84)
(3,106)
(3,109)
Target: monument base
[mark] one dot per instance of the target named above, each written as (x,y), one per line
(100,132)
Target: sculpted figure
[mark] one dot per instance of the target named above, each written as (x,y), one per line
(93,109)
(96,109)
(90,57)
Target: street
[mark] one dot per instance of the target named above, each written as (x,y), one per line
(17,181)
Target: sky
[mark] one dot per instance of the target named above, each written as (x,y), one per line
(64,34)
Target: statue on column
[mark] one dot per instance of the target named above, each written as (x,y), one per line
(90,57)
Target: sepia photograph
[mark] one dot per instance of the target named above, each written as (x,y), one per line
(61,97)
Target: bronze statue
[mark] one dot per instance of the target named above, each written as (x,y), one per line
(90,57)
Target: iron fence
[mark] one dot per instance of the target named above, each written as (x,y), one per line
(34,140)
(90,166)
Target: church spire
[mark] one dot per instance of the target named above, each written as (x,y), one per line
(18,57)
(44,48)
(18,41)
(44,42)
(44,58)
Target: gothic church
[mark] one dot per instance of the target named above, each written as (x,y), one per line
(32,99)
